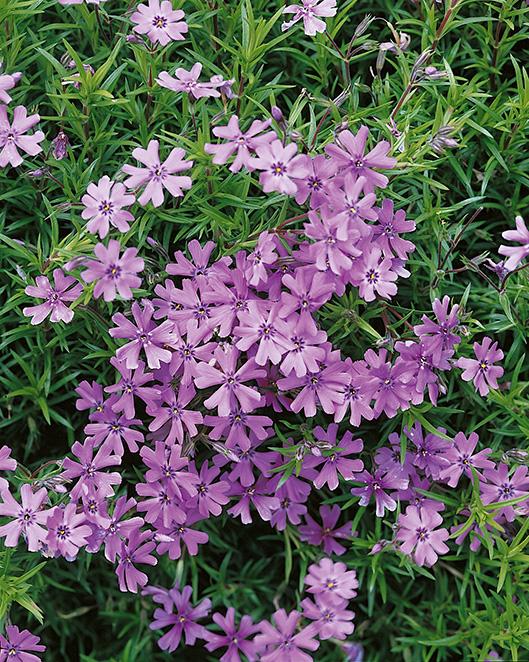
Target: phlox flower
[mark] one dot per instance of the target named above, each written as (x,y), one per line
(336,461)
(115,530)
(333,243)
(187,82)
(331,580)
(438,337)
(103,206)
(232,380)
(29,518)
(68,531)
(265,331)
(19,645)
(88,470)
(8,82)
(325,534)
(349,153)
(235,638)
(461,458)
(171,416)
(279,166)
(257,495)
(308,289)
(515,254)
(114,274)
(242,144)
(376,485)
(390,225)
(481,370)
(165,464)
(264,255)
(419,535)
(305,353)
(64,289)
(197,266)
(13,138)
(160,22)
(316,182)
(182,617)
(91,396)
(136,549)
(497,485)
(330,619)
(346,197)
(311,13)
(291,508)
(157,176)
(131,385)
(283,642)
(170,538)
(144,335)
(210,496)
(373,274)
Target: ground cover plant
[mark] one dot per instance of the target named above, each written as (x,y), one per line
(264,314)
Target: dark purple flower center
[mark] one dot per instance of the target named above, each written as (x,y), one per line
(422,534)
(159,22)
(372,276)
(106,207)
(314,183)
(63,532)
(278,169)
(114,271)
(158,173)
(506,491)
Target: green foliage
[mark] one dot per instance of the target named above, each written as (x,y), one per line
(461,201)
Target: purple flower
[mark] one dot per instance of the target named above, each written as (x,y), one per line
(309,11)
(90,396)
(461,458)
(333,246)
(388,459)
(232,379)
(309,290)
(165,465)
(103,206)
(28,517)
(197,267)
(336,461)
(235,638)
(305,353)
(345,199)
(65,288)
(115,529)
(291,508)
(89,469)
(179,613)
(388,383)
(326,387)
(114,274)
(260,258)
(265,330)
(316,183)
(332,581)
(210,496)
(497,486)
(8,82)
(439,337)
(349,152)
(430,451)
(68,531)
(137,549)
(325,534)
(418,534)
(8,463)
(281,643)
(257,495)
(130,385)
(173,418)
(160,22)
(390,225)
(481,370)
(358,394)
(373,274)
(418,364)
(330,619)
(515,254)
(171,538)
(144,335)
(239,424)
(112,430)
(12,136)
(187,82)
(157,176)
(376,485)
(279,166)
(14,646)
(240,143)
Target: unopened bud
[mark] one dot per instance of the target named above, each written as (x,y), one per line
(60,145)
(277,113)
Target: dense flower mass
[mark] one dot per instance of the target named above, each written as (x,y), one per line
(235,386)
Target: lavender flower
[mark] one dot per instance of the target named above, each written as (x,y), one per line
(13,138)
(325,535)
(68,531)
(19,645)
(137,549)
(160,22)
(240,143)
(235,639)
(418,534)
(103,206)
(114,274)
(281,642)
(64,289)
(515,254)
(481,370)
(376,485)
(332,581)
(310,11)
(279,166)
(29,517)
(330,619)
(461,458)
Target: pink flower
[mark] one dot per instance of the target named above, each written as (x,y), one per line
(325,534)
(516,253)
(187,82)
(331,620)
(331,580)
(160,22)
(336,461)
(284,642)
(243,144)
(417,535)
(373,274)
(137,549)
(14,646)
(349,154)
(65,288)
(8,82)
(114,274)
(68,531)
(481,370)
(158,176)
(309,11)
(12,136)
(280,167)
(104,204)
(28,517)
